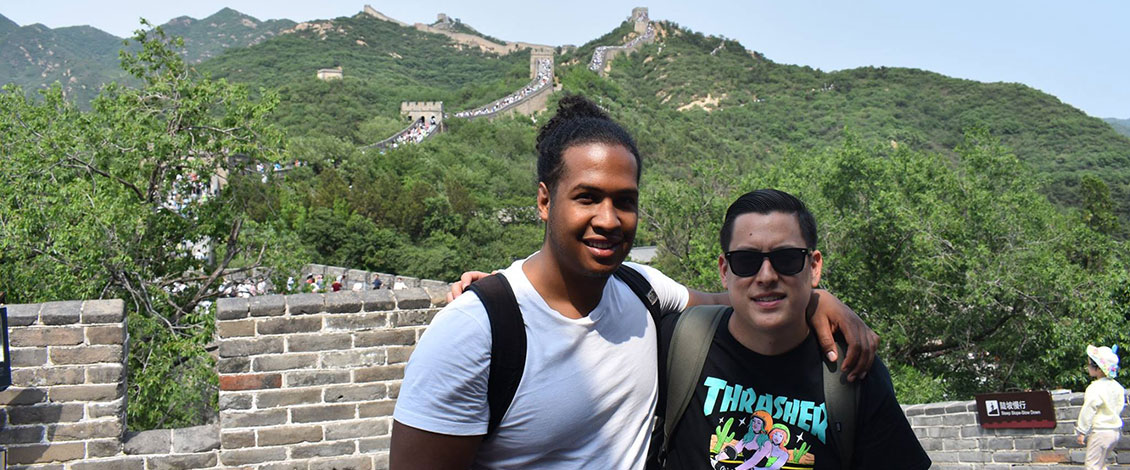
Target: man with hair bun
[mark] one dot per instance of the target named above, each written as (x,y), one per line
(589,386)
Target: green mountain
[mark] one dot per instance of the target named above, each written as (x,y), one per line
(80,58)
(7,26)
(383,64)
(1122,126)
(691,96)
(227,28)
(83,58)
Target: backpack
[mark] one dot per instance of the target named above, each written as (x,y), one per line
(508,335)
(690,343)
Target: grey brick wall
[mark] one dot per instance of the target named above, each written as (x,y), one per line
(309,380)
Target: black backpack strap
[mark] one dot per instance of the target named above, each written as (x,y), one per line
(641,288)
(690,342)
(507,346)
(841,399)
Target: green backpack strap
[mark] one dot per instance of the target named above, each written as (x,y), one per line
(694,332)
(841,400)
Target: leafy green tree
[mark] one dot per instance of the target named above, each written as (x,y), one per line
(126,201)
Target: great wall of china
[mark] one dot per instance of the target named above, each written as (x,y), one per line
(309,381)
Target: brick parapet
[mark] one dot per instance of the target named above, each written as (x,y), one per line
(311,380)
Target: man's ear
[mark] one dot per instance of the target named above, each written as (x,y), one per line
(817,267)
(543,201)
(722,269)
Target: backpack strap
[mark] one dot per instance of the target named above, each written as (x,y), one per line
(841,399)
(507,346)
(642,289)
(694,332)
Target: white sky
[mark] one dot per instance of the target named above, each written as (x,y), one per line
(1078,51)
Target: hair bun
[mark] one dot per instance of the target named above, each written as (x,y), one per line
(577,106)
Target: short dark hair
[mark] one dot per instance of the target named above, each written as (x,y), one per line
(764,201)
(577,121)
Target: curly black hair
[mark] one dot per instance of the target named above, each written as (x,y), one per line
(578,121)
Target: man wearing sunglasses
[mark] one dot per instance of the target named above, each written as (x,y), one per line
(764,362)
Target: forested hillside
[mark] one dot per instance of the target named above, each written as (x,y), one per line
(80,58)
(1122,126)
(932,192)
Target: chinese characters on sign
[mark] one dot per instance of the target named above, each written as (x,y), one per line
(1016,410)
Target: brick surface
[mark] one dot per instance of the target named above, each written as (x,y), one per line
(235,328)
(320,413)
(103,447)
(274,399)
(22,396)
(157,441)
(23,314)
(233,365)
(42,453)
(103,311)
(414,318)
(319,342)
(42,414)
(252,456)
(250,347)
(28,357)
(100,429)
(355,392)
(343,302)
(85,354)
(105,374)
(252,419)
(288,324)
(49,376)
(360,462)
(376,408)
(358,321)
(236,401)
(39,336)
(301,304)
(319,377)
(237,439)
(182,462)
(329,449)
(119,463)
(86,393)
(374,445)
(267,306)
(398,354)
(384,337)
(196,439)
(380,373)
(352,359)
(231,308)
(115,408)
(289,435)
(106,334)
(356,429)
(22,434)
(378,300)
(412,298)
(61,313)
(280,362)
(250,382)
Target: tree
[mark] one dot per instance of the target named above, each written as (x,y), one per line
(125,201)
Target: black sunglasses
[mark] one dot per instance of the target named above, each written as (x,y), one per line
(787,261)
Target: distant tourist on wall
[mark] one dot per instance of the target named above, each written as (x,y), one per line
(1100,420)
(377,282)
(399,284)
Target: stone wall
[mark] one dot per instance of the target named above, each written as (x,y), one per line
(309,380)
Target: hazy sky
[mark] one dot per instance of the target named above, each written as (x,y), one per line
(1078,51)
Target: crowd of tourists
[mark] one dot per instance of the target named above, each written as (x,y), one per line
(541,80)
(599,54)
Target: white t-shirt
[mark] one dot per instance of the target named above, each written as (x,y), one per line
(587,392)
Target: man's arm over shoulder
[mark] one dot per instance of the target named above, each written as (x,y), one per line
(441,413)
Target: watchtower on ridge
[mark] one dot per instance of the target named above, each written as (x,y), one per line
(537,53)
(426,110)
(640,18)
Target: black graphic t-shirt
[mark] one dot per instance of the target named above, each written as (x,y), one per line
(751,411)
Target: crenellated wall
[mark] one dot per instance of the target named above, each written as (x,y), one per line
(309,381)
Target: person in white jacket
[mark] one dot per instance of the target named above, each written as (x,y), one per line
(1100,420)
